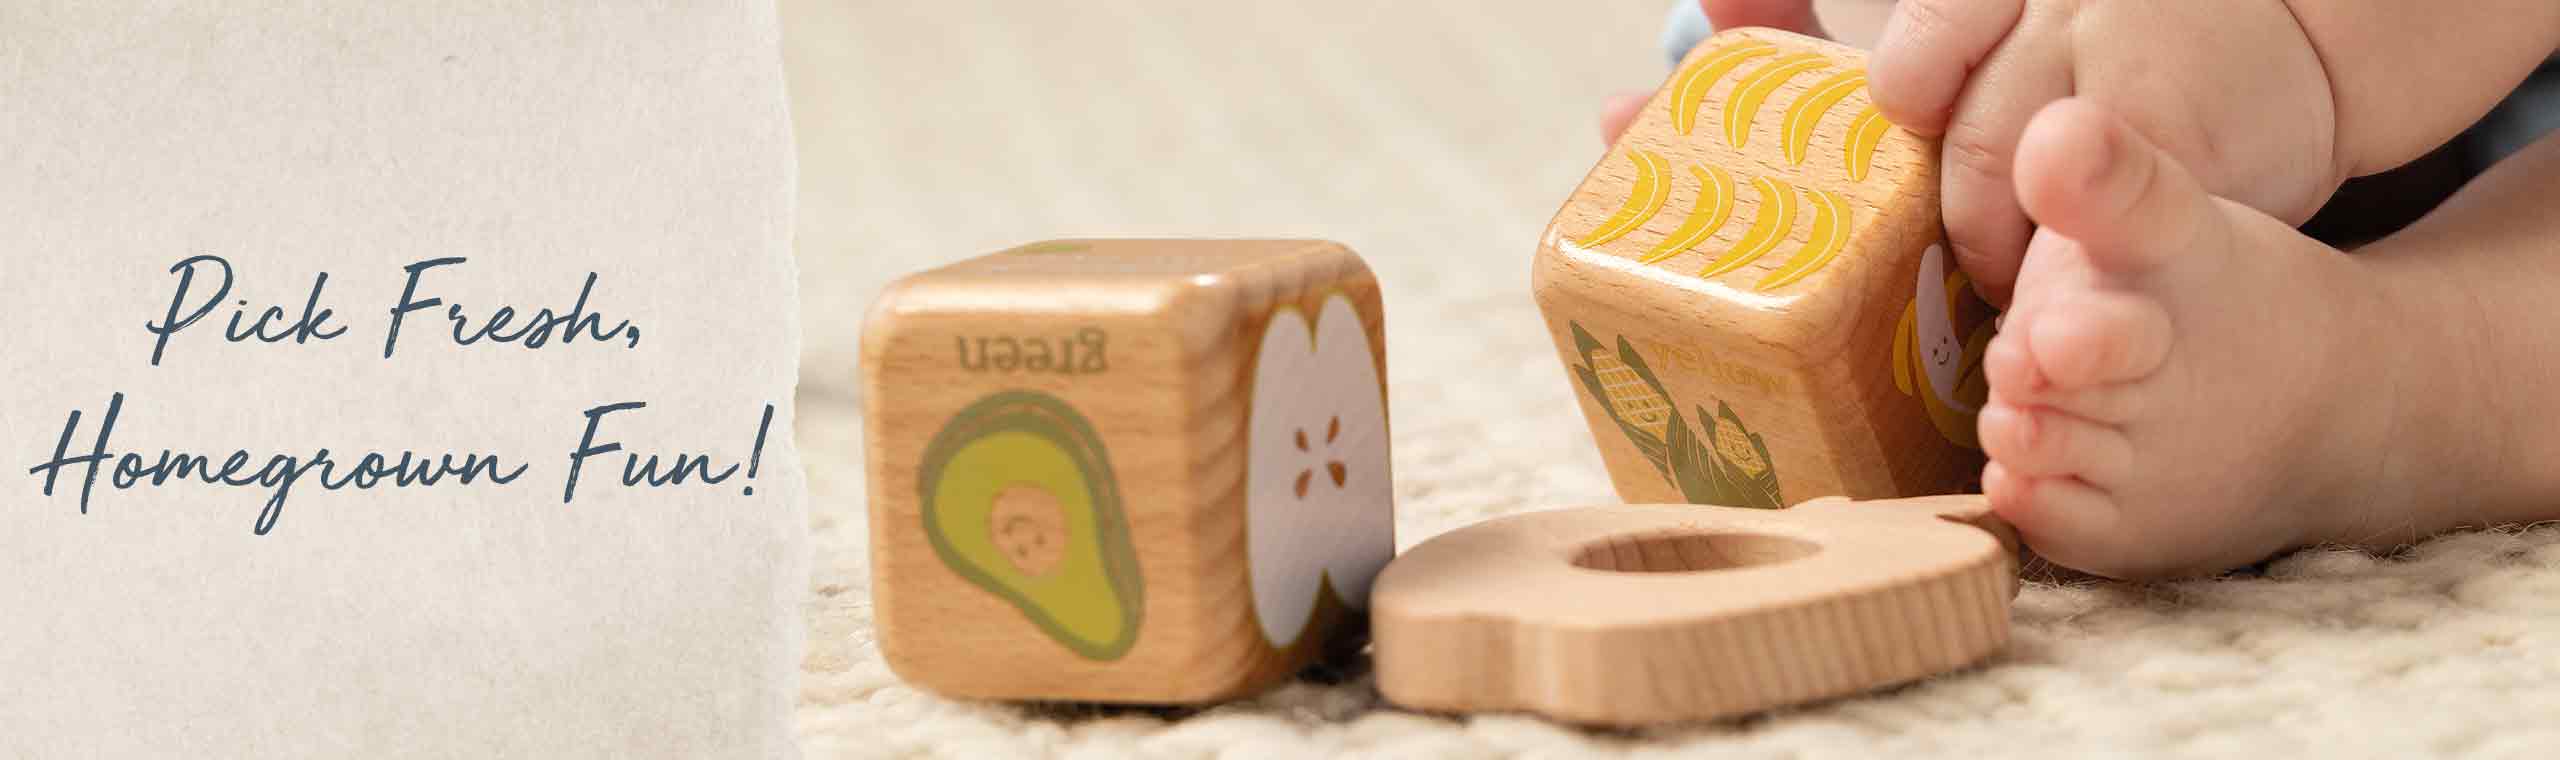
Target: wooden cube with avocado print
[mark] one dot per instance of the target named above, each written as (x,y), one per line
(1751,294)
(1144,471)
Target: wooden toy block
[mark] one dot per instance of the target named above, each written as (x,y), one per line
(1633,615)
(1126,470)
(1750,293)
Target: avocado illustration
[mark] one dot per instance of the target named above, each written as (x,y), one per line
(1019,499)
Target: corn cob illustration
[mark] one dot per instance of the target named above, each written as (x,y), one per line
(1653,415)
(1728,466)
(1626,392)
(1739,448)
(1741,476)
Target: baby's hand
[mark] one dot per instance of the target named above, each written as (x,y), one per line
(2233,90)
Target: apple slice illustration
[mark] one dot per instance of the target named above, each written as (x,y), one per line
(1319,514)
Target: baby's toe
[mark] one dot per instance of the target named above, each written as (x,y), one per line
(2115,404)
(2098,338)
(2086,175)
(2039,442)
(2069,522)
(2009,367)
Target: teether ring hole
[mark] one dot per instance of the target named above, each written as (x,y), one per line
(1689,552)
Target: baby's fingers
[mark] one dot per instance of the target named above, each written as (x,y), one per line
(1987,99)
(1986,228)
(1928,51)
(1618,112)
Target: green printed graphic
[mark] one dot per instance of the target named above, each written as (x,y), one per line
(1729,465)
(1019,499)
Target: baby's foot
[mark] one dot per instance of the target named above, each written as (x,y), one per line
(2176,388)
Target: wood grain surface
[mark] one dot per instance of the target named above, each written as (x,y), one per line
(1641,614)
(1799,343)
(1169,401)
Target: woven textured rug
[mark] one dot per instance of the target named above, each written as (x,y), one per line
(1436,138)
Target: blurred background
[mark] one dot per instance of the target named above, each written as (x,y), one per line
(1435,137)
(1430,136)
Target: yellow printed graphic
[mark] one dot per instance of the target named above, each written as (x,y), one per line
(1643,201)
(1776,218)
(1865,133)
(1719,461)
(1691,88)
(1734,445)
(1829,234)
(1715,205)
(1628,393)
(1808,110)
(1744,104)
(1930,362)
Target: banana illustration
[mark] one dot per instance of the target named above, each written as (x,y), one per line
(1714,206)
(1643,200)
(1774,218)
(1865,133)
(1777,218)
(1809,110)
(1830,233)
(1691,87)
(1744,103)
(1928,362)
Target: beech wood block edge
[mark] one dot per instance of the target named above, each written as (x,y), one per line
(1135,471)
(1749,293)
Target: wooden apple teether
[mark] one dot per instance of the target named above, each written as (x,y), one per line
(1639,614)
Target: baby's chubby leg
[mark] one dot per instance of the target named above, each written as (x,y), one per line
(2408,77)
(2481,274)
(2186,385)
(2272,103)
(2233,89)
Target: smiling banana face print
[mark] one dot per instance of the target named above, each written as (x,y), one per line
(1933,365)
